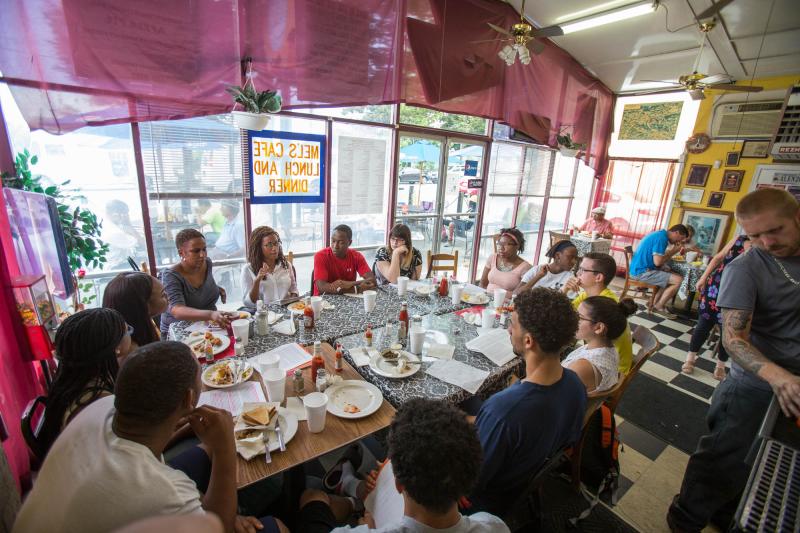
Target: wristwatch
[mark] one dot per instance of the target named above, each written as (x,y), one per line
(339,290)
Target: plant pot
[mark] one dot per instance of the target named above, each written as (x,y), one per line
(250,121)
(568,152)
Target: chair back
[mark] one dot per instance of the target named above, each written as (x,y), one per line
(450,263)
(525,512)
(311,291)
(290,258)
(31,426)
(556,236)
(628,252)
(648,345)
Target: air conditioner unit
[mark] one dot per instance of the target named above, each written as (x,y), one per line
(786,146)
(746,120)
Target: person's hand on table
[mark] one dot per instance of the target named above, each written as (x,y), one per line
(247,524)
(367,284)
(786,387)
(214,427)
(223,295)
(220,318)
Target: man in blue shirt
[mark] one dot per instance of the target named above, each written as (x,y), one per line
(525,424)
(649,264)
(231,241)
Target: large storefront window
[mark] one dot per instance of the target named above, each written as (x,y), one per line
(428,118)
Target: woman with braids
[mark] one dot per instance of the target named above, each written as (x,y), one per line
(267,275)
(555,273)
(398,258)
(600,321)
(88,345)
(504,269)
(139,297)
(191,290)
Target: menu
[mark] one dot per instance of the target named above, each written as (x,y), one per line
(360,180)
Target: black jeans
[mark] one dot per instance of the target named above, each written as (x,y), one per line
(700,335)
(717,473)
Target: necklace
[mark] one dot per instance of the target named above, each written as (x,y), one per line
(502,266)
(785,273)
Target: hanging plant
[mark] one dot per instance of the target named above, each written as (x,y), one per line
(567,146)
(257,105)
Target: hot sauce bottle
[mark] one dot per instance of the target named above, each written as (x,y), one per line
(317,362)
(308,315)
(368,336)
(402,318)
(337,362)
(443,286)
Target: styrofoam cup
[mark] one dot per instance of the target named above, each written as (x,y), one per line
(416,340)
(241,330)
(402,285)
(275,383)
(369,300)
(316,306)
(487,318)
(499,297)
(267,361)
(691,257)
(316,407)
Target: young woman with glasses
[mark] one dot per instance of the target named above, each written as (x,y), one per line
(505,269)
(398,258)
(267,275)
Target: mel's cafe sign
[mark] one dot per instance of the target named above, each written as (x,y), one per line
(286,167)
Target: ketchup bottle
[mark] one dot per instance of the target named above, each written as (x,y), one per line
(368,336)
(308,317)
(443,286)
(317,361)
(402,318)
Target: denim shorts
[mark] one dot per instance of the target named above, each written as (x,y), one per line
(654,277)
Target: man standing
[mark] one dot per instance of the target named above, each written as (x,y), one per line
(598,222)
(231,242)
(759,298)
(335,267)
(649,264)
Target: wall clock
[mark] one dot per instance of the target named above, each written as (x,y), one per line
(697,144)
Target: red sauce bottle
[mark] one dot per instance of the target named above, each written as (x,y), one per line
(308,317)
(402,318)
(317,362)
(337,363)
(443,286)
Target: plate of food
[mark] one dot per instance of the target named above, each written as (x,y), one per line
(353,399)
(260,419)
(197,342)
(297,307)
(395,364)
(479,298)
(222,375)
(678,258)
(424,289)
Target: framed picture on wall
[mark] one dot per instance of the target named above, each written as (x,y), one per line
(710,227)
(698,175)
(716,199)
(732,159)
(732,180)
(755,149)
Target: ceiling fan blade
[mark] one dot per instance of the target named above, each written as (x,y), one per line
(715,78)
(713,10)
(549,31)
(732,87)
(499,29)
(536,47)
(498,40)
(668,82)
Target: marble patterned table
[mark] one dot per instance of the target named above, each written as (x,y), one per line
(586,244)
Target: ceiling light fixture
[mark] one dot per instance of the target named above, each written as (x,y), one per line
(608,17)
(509,54)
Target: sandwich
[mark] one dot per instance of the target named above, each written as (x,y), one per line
(259,416)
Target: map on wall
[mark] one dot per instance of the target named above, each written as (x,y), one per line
(650,122)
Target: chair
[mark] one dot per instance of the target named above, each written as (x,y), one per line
(631,283)
(556,236)
(31,426)
(290,258)
(525,514)
(311,292)
(451,267)
(648,346)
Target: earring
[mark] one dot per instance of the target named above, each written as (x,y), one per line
(118,351)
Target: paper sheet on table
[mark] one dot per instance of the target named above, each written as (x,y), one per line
(351,295)
(232,399)
(495,344)
(359,358)
(295,406)
(291,356)
(459,374)
(440,351)
(384,502)
(285,328)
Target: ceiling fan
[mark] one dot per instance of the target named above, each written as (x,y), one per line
(520,36)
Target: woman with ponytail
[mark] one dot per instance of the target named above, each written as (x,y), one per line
(88,345)
(600,321)
(139,297)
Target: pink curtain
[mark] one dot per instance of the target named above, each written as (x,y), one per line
(74,63)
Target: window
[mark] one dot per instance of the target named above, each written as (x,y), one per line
(428,118)
(367,113)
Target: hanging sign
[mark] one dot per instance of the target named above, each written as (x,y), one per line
(471,168)
(286,167)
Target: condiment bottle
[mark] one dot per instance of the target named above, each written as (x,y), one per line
(443,286)
(209,352)
(402,318)
(322,380)
(238,347)
(298,382)
(368,336)
(308,315)
(337,362)
(317,362)
(262,319)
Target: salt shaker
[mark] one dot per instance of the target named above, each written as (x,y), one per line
(322,380)
(298,382)
(238,347)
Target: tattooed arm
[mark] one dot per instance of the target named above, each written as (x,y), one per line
(736,339)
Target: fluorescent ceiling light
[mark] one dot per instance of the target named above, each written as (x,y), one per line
(615,15)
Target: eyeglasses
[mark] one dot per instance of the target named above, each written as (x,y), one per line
(581,317)
(273,244)
(581,269)
(129,330)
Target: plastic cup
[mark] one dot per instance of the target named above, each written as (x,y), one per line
(316,407)
(416,340)
(487,318)
(316,306)
(241,329)
(369,300)
(456,291)
(691,257)
(265,362)
(499,297)
(594,235)
(275,383)
(402,285)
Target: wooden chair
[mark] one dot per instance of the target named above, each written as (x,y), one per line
(631,283)
(451,267)
(525,514)
(648,346)
(290,258)
(556,236)
(31,426)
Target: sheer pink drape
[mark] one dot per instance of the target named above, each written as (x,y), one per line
(73,63)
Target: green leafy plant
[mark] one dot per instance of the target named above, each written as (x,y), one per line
(254,101)
(80,226)
(567,142)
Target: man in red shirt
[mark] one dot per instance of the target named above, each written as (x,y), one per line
(335,268)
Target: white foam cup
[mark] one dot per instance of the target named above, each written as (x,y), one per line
(275,382)
(487,318)
(402,285)
(369,300)
(241,329)
(316,406)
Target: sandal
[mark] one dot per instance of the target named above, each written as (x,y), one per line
(688,365)
(719,371)
(665,313)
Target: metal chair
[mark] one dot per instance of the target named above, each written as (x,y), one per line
(631,283)
(525,514)
(31,425)
(451,267)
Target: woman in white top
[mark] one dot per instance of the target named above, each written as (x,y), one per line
(600,321)
(267,275)
(556,273)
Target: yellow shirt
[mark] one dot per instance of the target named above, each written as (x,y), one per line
(623,343)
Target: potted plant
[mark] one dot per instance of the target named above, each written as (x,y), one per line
(567,146)
(256,106)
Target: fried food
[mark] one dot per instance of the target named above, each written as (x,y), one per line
(247,433)
(222,375)
(259,416)
(297,306)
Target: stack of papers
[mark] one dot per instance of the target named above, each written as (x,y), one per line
(234,398)
(457,373)
(291,356)
(495,344)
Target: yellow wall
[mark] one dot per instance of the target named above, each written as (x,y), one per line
(718,151)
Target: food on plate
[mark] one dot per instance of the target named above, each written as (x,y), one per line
(247,433)
(480,298)
(242,314)
(297,306)
(214,340)
(402,365)
(390,354)
(222,374)
(259,416)
(678,258)
(351,409)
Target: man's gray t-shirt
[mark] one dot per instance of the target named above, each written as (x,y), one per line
(755,282)
(477,523)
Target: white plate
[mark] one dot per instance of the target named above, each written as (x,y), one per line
(289,427)
(384,368)
(364,395)
(424,290)
(206,376)
(193,339)
(476,299)
(243,315)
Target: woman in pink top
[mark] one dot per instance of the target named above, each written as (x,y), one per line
(504,269)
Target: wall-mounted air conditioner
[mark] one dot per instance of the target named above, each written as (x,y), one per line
(786,146)
(745,120)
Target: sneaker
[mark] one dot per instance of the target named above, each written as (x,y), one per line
(333,477)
